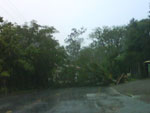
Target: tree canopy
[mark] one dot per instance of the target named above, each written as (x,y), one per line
(30,56)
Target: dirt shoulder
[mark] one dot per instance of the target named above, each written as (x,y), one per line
(139,87)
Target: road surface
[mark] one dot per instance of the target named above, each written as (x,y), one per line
(74,100)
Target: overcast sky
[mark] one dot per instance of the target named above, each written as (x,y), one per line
(67,14)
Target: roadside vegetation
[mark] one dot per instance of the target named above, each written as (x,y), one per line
(31,58)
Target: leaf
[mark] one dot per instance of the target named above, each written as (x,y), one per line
(9,111)
(5,74)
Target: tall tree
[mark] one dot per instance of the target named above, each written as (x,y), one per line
(74,42)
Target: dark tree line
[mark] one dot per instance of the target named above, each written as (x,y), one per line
(28,55)
(31,58)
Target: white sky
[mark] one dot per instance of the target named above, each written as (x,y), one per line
(67,14)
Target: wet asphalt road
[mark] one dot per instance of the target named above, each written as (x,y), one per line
(73,100)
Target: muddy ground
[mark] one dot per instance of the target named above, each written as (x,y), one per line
(79,100)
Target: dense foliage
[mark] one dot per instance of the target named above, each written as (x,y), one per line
(30,57)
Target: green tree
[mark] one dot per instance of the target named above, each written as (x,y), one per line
(137,45)
(29,54)
(74,43)
(108,44)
